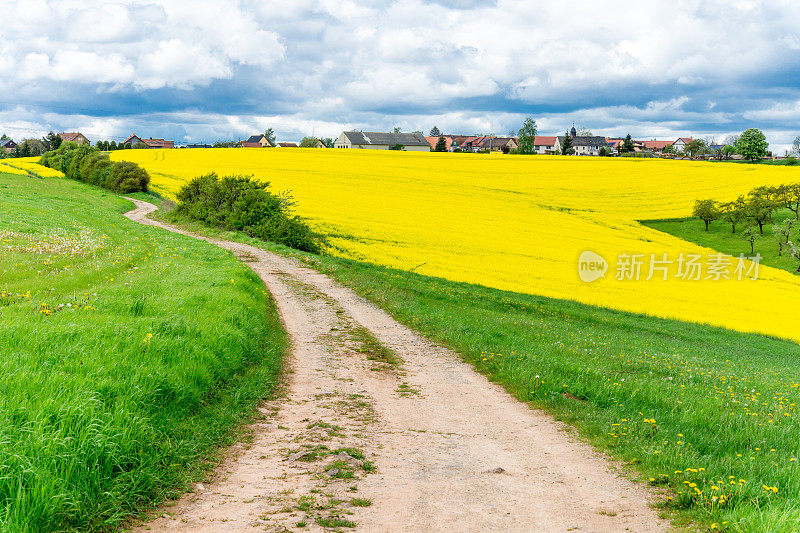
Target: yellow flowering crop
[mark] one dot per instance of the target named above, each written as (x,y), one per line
(512,222)
(8,169)
(23,164)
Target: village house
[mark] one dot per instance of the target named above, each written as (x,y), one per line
(680,144)
(7,145)
(546,145)
(382,141)
(448,142)
(74,137)
(655,146)
(496,144)
(256,141)
(150,142)
(466,143)
(286,145)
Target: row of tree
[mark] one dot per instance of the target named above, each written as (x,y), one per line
(88,164)
(33,147)
(755,210)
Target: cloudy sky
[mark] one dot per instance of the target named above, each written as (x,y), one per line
(202,71)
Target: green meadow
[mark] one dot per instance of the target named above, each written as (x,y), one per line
(128,355)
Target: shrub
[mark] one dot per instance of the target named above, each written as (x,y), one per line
(128,177)
(244,204)
(88,164)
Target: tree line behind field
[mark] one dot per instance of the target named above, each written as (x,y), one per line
(753,211)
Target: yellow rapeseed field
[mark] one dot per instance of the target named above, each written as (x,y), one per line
(516,223)
(21,165)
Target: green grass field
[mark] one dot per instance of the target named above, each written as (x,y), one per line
(720,237)
(709,415)
(128,355)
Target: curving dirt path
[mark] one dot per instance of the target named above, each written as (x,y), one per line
(433,445)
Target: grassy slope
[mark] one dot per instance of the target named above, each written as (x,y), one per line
(127,354)
(721,238)
(682,403)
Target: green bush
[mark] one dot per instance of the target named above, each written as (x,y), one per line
(88,164)
(243,204)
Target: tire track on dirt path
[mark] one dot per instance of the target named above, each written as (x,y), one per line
(452,451)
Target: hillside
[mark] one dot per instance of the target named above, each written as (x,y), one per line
(128,355)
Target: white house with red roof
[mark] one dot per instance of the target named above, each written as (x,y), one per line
(543,144)
(680,144)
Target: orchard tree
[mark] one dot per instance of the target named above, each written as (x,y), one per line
(751,234)
(783,232)
(526,143)
(794,251)
(752,144)
(759,208)
(706,210)
(435,132)
(733,212)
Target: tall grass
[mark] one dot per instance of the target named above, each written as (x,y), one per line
(127,354)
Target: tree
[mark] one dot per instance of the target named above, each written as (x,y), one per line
(308,142)
(727,151)
(706,210)
(783,232)
(397,130)
(526,143)
(603,151)
(441,145)
(566,145)
(796,145)
(794,251)
(113,145)
(270,135)
(733,212)
(627,144)
(752,144)
(4,137)
(583,132)
(694,147)
(750,234)
(731,139)
(435,132)
(52,141)
(668,149)
(789,197)
(397,146)
(329,143)
(759,208)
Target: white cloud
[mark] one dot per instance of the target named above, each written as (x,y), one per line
(478,66)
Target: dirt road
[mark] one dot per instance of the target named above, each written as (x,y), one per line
(411,439)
